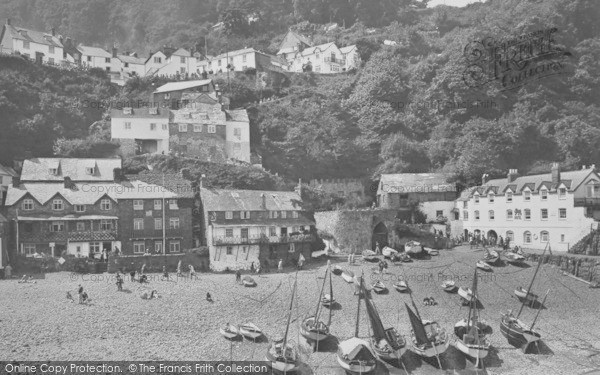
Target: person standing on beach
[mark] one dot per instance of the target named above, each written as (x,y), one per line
(179,273)
(165,273)
(280,266)
(192,271)
(238,276)
(119,282)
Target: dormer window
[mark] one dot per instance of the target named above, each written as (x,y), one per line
(491,197)
(527,195)
(90,170)
(509,196)
(544,194)
(127,110)
(562,193)
(53,171)
(476,198)
(57,205)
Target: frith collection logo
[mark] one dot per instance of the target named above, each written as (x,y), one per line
(513,62)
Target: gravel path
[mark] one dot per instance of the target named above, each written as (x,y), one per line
(39,324)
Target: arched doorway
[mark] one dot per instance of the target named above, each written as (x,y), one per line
(492,236)
(477,234)
(380,234)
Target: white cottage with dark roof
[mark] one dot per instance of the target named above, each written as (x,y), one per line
(557,208)
(243,227)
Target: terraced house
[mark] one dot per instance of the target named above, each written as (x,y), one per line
(242,227)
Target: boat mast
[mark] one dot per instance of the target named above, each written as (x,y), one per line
(358,309)
(532,280)
(318,310)
(539,310)
(331,298)
(413,302)
(473,299)
(287,328)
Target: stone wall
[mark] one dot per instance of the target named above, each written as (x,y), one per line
(128,146)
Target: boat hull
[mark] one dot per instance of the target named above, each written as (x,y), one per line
(431,351)
(358,366)
(313,334)
(229,334)
(525,295)
(349,278)
(250,333)
(387,354)
(474,351)
(466,294)
(402,288)
(518,336)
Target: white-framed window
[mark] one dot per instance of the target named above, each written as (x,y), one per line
(294,214)
(197,128)
(138,224)
(138,204)
(127,126)
(510,235)
(152,126)
(544,194)
(90,170)
(491,197)
(272,214)
(57,226)
(272,231)
(182,60)
(544,213)
(174,246)
(107,60)
(527,214)
(292,247)
(544,236)
(212,128)
(527,195)
(509,214)
(593,189)
(157,223)
(157,59)
(174,223)
(95,247)
(476,198)
(229,232)
(228,215)
(79,207)
(439,213)
(509,196)
(138,247)
(183,128)
(105,204)
(491,214)
(562,213)
(465,204)
(237,133)
(562,238)
(476,215)
(284,214)
(106,224)
(28,249)
(158,247)
(58,205)
(229,250)
(26,44)
(527,237)
(562,193)
(245,214)
(157,204)
(54,171)
(244,57)
(27,204)
(80,226)
(173,204)
(244,233)
(465,215)
(165,126)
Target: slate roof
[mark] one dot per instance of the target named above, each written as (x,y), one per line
(347,49)
(234,53)
(38,169)
(174,182)
(7,171)
(33,36)
(415,183)
(93,51)
(143,112)
(320,48)
(132,59)
(289,46)
(240,115)
(182,85)
(249,200)
(571,180)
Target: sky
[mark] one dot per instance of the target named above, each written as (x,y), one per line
(456,3)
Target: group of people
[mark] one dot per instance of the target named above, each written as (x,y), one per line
(480,239)
(83,296)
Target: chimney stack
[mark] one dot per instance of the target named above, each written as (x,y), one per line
(53,31)
(8,22)
(264,201)
(16,181)
(484,178)
(512,175)
(555,173)
(68,184)
(114,51)
(298,188)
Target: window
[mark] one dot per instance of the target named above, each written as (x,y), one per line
(229,250)
(527,195)
(138,247)
(80,226)
(228,215)
(491,197)
(174,223)
(229,233)
(476,215)
(54,171)
(244,58)
(509,196)
(158,248)
(510,236)
(90,170)
(173,204)
(465,204)
(272,231)
(51,49)
(593,190)
(138,224)
(562,213)
(106,225)
(544,194)
(491,214)
(158,223)
(562,238)
(527,237)
(212,128)
(50,60)
(105,204)
(439,213)
(25,44)
(544,236)
(527,214)
(27,204)
(284,214)
(237,133)
(245,214)
(509,214)
(152,127)
(127,126)
(292,247)
(174,246)
(562,193)
(57,205)
(182,59)
(465,215)
(183,128)
(28,249)
(126,65)
(294,214)
(272,214)
(157,204)
(138,204)
(167,96)
(544,213)
(476,198)
(197,128)
(108,69)
(157,60)
(95,247)
(244,233)
(165,127)
(57,226)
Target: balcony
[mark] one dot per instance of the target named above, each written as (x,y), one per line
(63,236)
(262,239)
(587,202)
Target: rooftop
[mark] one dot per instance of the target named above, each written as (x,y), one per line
(415,182)
(182,85)
(249,200)
(93,51)
(33,36)
(143,112)
(39,169)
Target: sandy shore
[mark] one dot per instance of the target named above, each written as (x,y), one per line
(39,324)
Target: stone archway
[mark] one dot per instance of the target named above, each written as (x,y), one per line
(380,235)
(492,236)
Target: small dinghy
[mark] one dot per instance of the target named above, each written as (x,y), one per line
(401,286)
(449,286)
(523,294)
(432,252)
(466,294)
(403,257)
(379,287)
(389,253)
(250,330)
(514,258)
(229,331)
(248,281)
(491,256)
(483,265)
(369,255)
(413,247)
(348,276)
(337,270)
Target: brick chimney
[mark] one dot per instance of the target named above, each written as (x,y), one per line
(484,178)
(512,175)
(555,173)
(53,31)
(114,51)
(68,184)
(16,181)
(264,201)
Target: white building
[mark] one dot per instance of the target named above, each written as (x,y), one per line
(557,208)
(96,57)
(141,130)
(131,66)
(170,61)
(36,45)
(237,61)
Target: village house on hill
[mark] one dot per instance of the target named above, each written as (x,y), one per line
(38,46)
(140,130)
(84,207)
(557,208)
(245,227)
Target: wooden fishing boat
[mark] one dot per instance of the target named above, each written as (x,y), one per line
(401,286)
(413,248)
(429,339)
(250,331)
(432,252)
(514,258)
(449,286)
(355,354)
(471,337)
(491,256)
(229,331)
(248,281)
(348,276)
(525,295)
(369,255)
(518,333)
(379,287)
(388,252)
(483,265)
(466,294)
(281,355)
(312,328)
(337,270)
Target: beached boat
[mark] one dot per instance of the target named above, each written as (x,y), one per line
(355,354)
(514,258)
(525,295)
(229,331)
(388,252)
(348,276)
(466,294)
(313,328)
(471,337)
(517,332)
(429,339)
(282,356)
(337,270)
(403,257)
(413,248)
(491,256)
(401,286)
(432,252)
(379,287)
(386,343)
(250,330)
(369,255)
(449,286)
(483,265)
(248,281)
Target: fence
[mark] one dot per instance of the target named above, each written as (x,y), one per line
(585,268)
